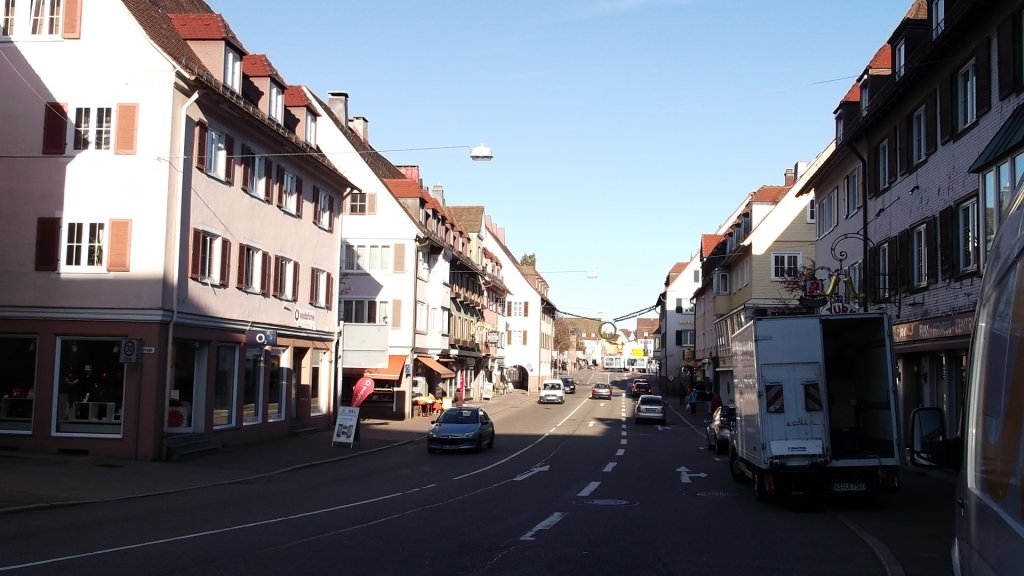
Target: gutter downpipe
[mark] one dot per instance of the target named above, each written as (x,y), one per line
(864,217)
(183,124)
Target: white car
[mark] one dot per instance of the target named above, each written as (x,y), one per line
(650,407)
(552,391)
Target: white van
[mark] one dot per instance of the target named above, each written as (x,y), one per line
(989,449)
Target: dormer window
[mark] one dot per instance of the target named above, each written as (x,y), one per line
(899,58)
(839,127)
(865,95)
(232,69)
(938,17)
(310,128)
(276,102)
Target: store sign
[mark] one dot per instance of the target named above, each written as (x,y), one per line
(493,337)
(261,337)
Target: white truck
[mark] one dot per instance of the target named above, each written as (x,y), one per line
(815,405)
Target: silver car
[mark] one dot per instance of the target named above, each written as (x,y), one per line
(650,407)
(461,428)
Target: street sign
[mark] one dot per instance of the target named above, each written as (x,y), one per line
(130,349)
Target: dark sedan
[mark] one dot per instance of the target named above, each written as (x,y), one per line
(568,385)
(461,428)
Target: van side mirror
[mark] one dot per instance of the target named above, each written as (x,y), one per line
(929,446)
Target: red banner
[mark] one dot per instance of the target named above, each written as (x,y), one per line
(362,390)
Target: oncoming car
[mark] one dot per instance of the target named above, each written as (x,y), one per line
(650,407)
(552,391)
(461,428)
(568,385)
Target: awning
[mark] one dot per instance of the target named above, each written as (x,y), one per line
(1009,136)
(392,372)
(436,367)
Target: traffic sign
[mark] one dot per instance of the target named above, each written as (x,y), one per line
(130,349)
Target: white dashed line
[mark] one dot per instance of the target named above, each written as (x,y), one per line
(609,467)
(589,489)
(546,524)
(620,451)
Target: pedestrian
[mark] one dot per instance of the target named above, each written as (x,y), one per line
(692,400)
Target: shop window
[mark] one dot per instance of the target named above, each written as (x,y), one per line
(17,388)
(90,386)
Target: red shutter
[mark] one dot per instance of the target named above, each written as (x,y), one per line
(229,170)
(201,131)
(55,128)
(298,197)
(193,267)
(295,282)
(246,167)
(508,337)
(225,261)
(317,212)
(396,314)
(312,286)
(371,203)
(276,282)
(242,268)
(399,264)
(280,186)
(47,244)
(72,20)
(526,308)
(120,240)
(508,308)
(127,127)
(268,180)
(266,276)
(524,337)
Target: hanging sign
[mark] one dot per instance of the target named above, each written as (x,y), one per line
(362,390)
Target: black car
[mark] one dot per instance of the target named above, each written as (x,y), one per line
(568,385)
(640,387)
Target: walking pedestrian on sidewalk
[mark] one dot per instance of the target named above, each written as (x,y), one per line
(692,400)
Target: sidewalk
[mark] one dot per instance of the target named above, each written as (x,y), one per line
(33,480)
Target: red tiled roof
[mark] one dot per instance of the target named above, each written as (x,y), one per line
(853,94)
(648,325)
(403,188)
(708,243)
(678,267)
(295,96)
(882,59)
(204,27)
(919,11)
(470,218)
(770,194)
(259,66)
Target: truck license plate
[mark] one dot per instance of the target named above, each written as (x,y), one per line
(849,487)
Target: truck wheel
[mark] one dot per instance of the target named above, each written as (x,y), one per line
(759,490)
(735,470)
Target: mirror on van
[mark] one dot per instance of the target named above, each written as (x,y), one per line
(928,448)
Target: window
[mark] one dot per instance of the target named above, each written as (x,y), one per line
(310,128)
(865,95)
(855,272)
(252,389)
(679,337)
(367,258)
(883,164)
(722,283)
(92,128)
(17,388)
(214,150)
(286,278)
(812,211)
(918,134)
(324,214)
(45,16)
(90,388)
(938,17)
(518,309)
(919,256)
(256,171)
(839,127)
(785,265)
(364,311)
(899,58)
(41,18)
(852,193)
(320,286)
(883,271)
(209,258)
(827,212)
(421,317)
(967,236)
(679,305)
(225,386)
(696,276)
(290,193)
(276,388)
(84,246)
(357,203)
(232,69)
(996,192)
(254,270)
(966,96)
(276,106)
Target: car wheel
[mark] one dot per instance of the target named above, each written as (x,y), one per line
(711,444)
(734,469)
(760,494)
(479,445)
(721,447)
(491,443)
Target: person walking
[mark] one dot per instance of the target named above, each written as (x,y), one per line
(692,400)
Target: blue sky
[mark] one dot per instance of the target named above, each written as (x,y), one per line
(622,130)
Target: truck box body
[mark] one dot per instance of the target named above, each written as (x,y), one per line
(815,403)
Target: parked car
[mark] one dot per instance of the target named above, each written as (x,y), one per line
(552,391)
(720,429)
(639,387)
(461,428)
(650,407)
(601,390)
(568,385)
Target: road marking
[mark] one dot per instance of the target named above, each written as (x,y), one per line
(620,451)
(623,441)
(591,424)
(609,467)
(685,474)
(532,471)
(624,432)
(589,489)
(545,525)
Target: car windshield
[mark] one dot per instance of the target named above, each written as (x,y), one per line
(458,416)
(600,385)
(552,386)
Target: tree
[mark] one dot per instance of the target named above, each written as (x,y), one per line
(529,260)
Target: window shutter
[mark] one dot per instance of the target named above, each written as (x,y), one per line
(946,108)
(346,203)
(983,68)
(933,251)
(526,308)
(1008,59)
(871,275)
(396,314)
(268,181)
(246,167)
(299,198)
(508,337)
(275,284)
(894,144)
(266,271)
(295,282)
(371,203)
(47,244)
(892,267)
(242,268)
(330,213)
(127,127)
(72,20)
(280,186)
(225,261)
(947,242)
(120,242)
(872,176)
(903,264)
(399,265)
(55,128)
(906,154)
(508,308)
(312,286)
(524,337)
(930,124)
(329,296)
(193,266)
(317,211)
(201,131)
(229,170)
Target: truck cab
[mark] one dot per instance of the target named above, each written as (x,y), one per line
(988,448)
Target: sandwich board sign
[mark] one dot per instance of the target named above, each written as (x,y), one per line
(345,429)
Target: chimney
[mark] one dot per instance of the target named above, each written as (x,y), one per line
(437,191)
(337,101)
(360,125)
(790,176)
